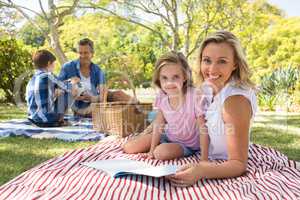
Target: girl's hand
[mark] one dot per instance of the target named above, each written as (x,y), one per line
(204,158)
(185,176)
(148,155)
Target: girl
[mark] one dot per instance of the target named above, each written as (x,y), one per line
(179,108)
(223,64)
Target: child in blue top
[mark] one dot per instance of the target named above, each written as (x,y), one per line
(46,96)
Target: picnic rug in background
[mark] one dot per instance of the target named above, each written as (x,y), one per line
(80,129)
(270,175)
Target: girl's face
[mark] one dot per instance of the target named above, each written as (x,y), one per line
(217,64)
(50,67)
(171,78)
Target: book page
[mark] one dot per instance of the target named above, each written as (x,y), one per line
(120,167)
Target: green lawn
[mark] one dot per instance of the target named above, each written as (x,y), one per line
(18,154)
(280,131)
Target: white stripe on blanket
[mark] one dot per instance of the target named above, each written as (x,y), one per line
(270,175)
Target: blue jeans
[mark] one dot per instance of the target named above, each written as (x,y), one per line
(187,151)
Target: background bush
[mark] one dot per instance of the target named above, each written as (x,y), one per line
(15,64)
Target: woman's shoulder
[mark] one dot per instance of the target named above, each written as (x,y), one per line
(233,88)
(239,96)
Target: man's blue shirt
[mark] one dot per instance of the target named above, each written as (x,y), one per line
(72,68)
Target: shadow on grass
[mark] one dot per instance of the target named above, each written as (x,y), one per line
(288,144)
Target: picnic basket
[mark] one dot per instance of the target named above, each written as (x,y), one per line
(120,118)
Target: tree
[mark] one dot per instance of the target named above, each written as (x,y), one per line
(187,21)
(8,20)
(15,60)
(277,46)
(116,43)
(53,18)
(32,36)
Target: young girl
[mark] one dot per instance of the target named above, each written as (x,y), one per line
(223,64)
(175,131)
(46,96)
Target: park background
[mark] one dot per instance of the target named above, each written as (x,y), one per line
(129,36)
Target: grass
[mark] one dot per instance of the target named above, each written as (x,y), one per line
(18,154)
(280,131)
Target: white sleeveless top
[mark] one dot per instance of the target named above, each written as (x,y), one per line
(215,123)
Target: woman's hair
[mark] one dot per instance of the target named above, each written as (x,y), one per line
(41,58)
(242,73)
(173,57)
(87,42)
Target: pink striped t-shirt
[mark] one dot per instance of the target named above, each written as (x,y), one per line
(181,124)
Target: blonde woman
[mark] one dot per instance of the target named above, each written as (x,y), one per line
(223,64)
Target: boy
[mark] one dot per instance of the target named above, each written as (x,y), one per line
(46,96)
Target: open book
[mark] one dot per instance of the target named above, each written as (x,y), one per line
(121,167)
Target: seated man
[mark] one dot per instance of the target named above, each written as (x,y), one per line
(92,78)
(47,97)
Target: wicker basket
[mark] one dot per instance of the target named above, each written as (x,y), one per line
(120,118)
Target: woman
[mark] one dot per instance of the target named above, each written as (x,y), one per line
(223,65)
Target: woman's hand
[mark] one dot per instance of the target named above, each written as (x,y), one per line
(186,176)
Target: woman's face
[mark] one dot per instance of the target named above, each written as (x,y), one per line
(217,64)
(171,79)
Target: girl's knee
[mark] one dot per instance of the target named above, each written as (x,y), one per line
(161,154)
(128,148)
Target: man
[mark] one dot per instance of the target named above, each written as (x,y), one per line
(92,79)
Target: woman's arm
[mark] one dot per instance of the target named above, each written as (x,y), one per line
(236,115)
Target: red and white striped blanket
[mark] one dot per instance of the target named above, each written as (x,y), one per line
(270,176)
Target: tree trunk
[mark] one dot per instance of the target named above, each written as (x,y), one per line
(55,45)
(187,40)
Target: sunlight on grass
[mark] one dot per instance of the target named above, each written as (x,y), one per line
(280,131)
(9,111)
(18,154)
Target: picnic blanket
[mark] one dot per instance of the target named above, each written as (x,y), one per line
(80,129)
(270,175)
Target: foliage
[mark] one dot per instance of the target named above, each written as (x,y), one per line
(278,87)
(278,45)
(32,36)
(119,47)
(15,62)
(8,20)
(186,22)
